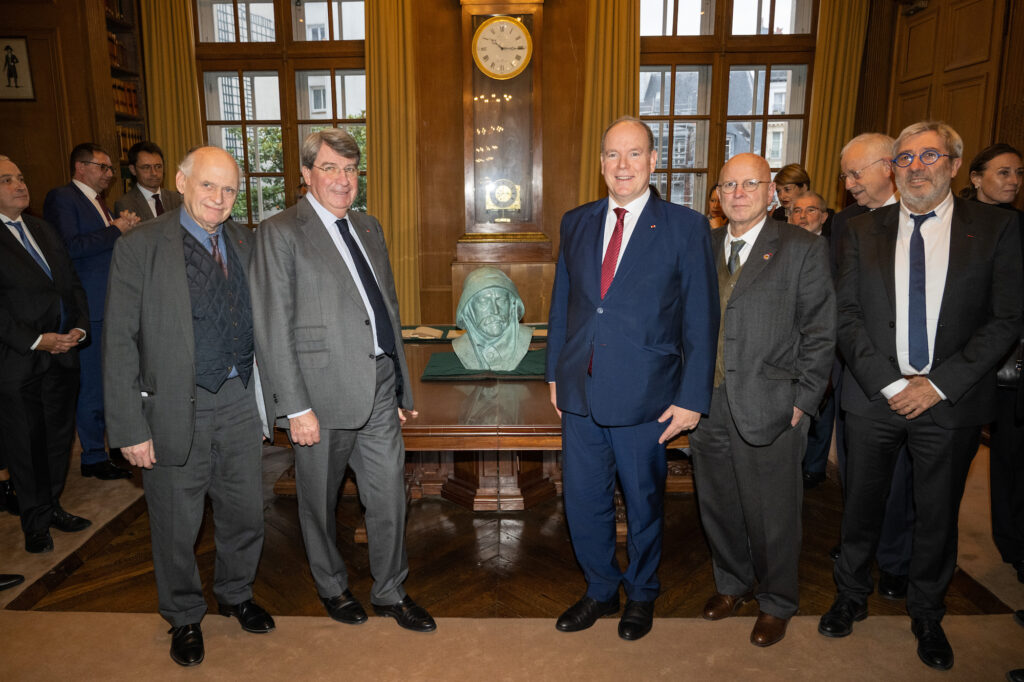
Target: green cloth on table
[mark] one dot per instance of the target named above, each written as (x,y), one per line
(448,367)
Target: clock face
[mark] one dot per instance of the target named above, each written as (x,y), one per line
(502,47)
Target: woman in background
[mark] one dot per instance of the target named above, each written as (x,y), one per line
(715,215)
(791,183)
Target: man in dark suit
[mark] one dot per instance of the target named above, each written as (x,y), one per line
(329,338)
(43,318)
(929,302)
(148,198)
(629,361)
(775,350)
(79,212)
(181,397)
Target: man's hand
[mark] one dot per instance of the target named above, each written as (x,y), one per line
(126,221)
(797,414)
(55,343)
(682,420)
(554,398)
(405,414)
(140,455)
(915,399)
(305,429)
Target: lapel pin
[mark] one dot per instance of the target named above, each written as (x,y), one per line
(652,227)
(971,236)
(767,256)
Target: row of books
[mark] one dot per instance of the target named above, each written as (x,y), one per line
(126,137)
(118,52)
(126,97)
(114,10)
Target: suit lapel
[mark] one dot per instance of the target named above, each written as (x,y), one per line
(961,248)
(762,251)
(326,251)
(171,260)
(887,227)
(18,250)
(642,239)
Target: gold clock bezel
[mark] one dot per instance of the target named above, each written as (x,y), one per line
(529,47)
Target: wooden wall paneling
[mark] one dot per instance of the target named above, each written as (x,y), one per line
(915,46)
(909,106)
(1010,100)
(972,22)
(873,90)
(960,103)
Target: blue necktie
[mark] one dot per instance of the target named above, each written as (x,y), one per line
(36,256)
(381,319)
(917,309)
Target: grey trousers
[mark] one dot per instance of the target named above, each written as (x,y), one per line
(376,454)
(225,462)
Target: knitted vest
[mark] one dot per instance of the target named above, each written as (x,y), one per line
(725,284)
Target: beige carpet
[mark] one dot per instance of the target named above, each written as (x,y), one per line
(100,646)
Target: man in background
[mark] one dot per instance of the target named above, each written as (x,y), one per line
(147,199)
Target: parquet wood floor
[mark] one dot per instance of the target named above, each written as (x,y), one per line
(465,564)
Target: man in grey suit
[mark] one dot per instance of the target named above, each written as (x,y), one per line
(180,395)
(334,374)
(147,199)
(775,349)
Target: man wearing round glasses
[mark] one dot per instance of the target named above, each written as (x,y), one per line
(929,302)
(147,198)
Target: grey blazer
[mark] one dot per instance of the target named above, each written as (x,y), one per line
(780,330)
(133,200)
(149,383)
(313,337)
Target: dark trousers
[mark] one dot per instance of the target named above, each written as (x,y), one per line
(750,501)
(225,462)
(941,458)
(376,453)
(37,423)
(592,455)
(1006,469)
(89,416)
(819,438)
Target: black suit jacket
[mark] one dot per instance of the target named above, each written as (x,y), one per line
(30,301)
(978,320)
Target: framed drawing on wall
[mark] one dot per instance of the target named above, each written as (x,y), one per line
(16,77)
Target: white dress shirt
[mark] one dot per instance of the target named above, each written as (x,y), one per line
(935,232)
(633,211)
(149,196)
(748,239)
(91,195)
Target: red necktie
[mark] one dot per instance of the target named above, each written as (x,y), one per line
(611,256)
(216,255)
(102,201)
(158,204)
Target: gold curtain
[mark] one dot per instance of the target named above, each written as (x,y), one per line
(842,27)
(172,83)
(611,82)
(391,191)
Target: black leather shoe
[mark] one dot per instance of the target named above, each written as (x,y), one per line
(1019,566)
(932,646)
(345,609)
(892,586)
(812,479)
(250,615)
(838,620)
(408,614)
(105,471)
(835,552)
(8,580)
(187,644)
(68,523)
(1015,675)
(38,541)
(637,618)
(585,613)
(8,498)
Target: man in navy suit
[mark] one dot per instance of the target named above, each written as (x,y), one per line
(631,350)
(929,303)
(43,318)
(79,212)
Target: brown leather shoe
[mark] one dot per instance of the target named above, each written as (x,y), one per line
(724,605)
(768,629)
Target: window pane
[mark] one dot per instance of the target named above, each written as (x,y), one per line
(266,197)
(223,99)
(309,21)
(660,131)
(689,144)
(358,133)
(741,137)
(353,22)
(654,84)
(693,90)
(228,138)
(750,17)
(308,103)
(792,16)
(788,138)
(256,21)
(262,101)
(696,18)
(351,89)
(660,182)
(787,89)
(216,21)
(746,90)
(265,152)
(656,17)
(689,189)
(306,128)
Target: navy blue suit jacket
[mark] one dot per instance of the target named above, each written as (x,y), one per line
(653,336)
(90,242)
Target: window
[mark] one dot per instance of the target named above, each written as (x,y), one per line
(719,78)
(245,61)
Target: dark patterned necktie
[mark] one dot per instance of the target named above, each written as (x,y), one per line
(217,255)
(917,304)
(158,204)
(381,319)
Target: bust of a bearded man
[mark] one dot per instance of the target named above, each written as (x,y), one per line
(489,310)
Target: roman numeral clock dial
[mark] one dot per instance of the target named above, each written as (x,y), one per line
(502,47)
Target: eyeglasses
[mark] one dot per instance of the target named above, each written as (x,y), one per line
(855,174)
(809,210)
(332,171)
(748,185)
(104,167)
(150,167)
(927,157)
